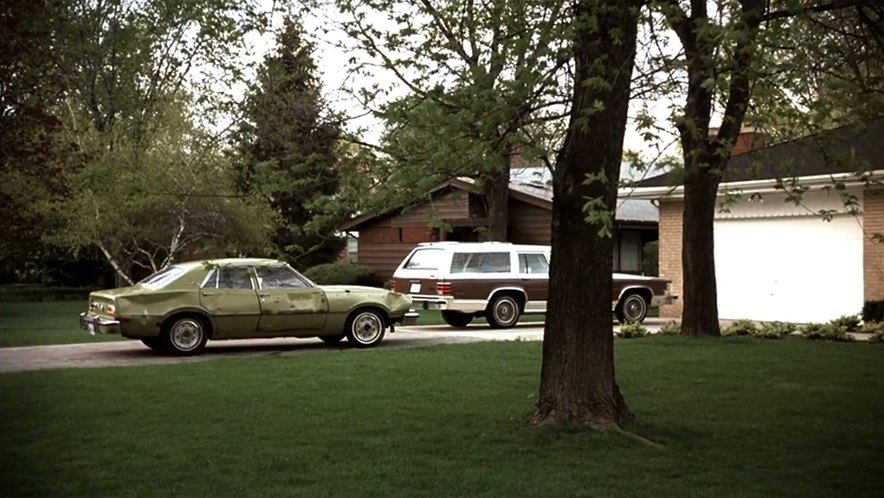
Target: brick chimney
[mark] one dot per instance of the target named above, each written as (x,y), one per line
(748,139)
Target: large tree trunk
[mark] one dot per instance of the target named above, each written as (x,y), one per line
(577,382)
(497,195)
(700,315)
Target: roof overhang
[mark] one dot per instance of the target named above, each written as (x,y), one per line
(759,186)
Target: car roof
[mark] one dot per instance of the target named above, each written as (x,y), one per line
(189,265)
(483,246)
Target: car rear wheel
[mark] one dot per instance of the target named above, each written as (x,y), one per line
(365,328)
(155,343)
(331,339)
(632,309)
(456,318)
(185,335)
(503,312)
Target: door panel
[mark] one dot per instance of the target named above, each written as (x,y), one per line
(228,295)
(289,304)
(534,277)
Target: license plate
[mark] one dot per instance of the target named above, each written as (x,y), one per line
(415,288)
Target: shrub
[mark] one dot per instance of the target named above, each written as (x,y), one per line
(36,293)
(875,331)
(632,330)
(826,332)
(850,323)
(740,327)
(342,274)
(774,330)
(873,311)
(671,328)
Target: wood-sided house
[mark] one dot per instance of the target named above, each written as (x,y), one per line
(385,239)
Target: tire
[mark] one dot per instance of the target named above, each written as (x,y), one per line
(365,328)
(185,335)
(155,343)
(331,339)
(456,318)
(632,309)
(503,312)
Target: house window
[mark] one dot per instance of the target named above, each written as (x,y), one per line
(628,251)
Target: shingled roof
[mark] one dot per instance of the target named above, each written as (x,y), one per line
(840,150)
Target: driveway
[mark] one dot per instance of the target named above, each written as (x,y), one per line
(133,353)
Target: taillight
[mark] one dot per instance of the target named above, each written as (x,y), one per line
(393,286)
(443,288)
(111,309)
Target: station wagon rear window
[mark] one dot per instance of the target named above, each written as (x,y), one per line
(480,262)
(425,259)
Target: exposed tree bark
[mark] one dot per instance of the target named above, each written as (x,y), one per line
(706,156)
(497,195)
(577,383)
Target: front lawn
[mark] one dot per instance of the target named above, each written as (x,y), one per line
(42,323)
(739,417)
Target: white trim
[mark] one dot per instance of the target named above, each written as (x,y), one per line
(759,186)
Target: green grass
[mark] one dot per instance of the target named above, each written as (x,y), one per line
(42,323)
(739,417)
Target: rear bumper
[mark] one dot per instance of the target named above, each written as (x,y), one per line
(97,325)
(410,318)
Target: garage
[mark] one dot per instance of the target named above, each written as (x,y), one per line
(778,261)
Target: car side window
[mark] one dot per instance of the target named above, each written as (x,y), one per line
(234,278)
(480,262)
(533,264)
(280,277)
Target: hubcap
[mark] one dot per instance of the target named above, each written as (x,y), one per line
(186,334)
(367,327)
(635,308)
(505,311)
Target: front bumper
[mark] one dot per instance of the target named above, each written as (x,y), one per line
(98,325)
(663,300)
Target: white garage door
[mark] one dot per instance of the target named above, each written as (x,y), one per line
(797,269)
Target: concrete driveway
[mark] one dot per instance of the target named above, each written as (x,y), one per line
(133,353)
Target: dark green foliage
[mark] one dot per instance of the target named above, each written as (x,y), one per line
(740,327)
(774,330)
(343,274)
(36,293)
(873,311)
(288,149)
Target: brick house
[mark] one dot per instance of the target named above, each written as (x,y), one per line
(385,239)
(776,260)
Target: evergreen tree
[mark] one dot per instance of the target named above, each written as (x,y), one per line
(289,149)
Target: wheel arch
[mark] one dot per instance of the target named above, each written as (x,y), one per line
(196,312)
(642,290)
(517,292)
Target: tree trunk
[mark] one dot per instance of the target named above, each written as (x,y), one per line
(577,383)
(700,312)
(497,194)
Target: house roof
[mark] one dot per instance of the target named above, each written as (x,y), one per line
(840,150)
(538,194)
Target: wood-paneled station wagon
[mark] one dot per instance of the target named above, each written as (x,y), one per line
(182,306)
(501,281)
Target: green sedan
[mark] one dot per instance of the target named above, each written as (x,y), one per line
(184,305)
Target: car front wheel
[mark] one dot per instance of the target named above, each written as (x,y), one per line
(632,309)
(365,328)
(503,312)
(186,335)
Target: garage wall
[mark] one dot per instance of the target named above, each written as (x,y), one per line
(778,261)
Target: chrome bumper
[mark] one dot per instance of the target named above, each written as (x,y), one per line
(663,300)
(410,318)
(98,325)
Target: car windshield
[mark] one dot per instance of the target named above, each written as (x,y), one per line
(163,277)
(425,259)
